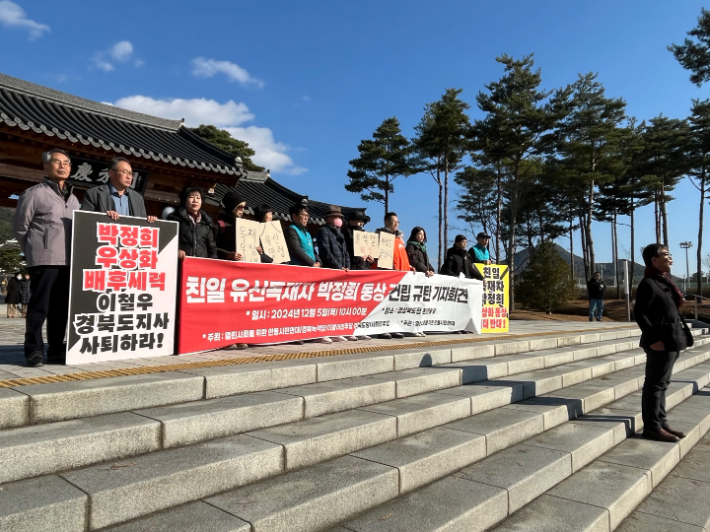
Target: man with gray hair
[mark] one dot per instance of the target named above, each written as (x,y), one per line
(43,228)
(116,198)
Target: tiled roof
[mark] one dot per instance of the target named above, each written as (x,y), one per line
(53,113)
(258,188)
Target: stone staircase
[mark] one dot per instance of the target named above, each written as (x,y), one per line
(461,438)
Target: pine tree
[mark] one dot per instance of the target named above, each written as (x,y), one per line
(382,159)
(225,141)
(699,158)
(694,54)
(442,138)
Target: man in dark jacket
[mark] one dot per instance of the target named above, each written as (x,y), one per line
(25,293)
(596,288)
(195,236)
(458,261)
(331,241)
(12,298)
(356,223)
(116,198)
(43,226)
(663,337)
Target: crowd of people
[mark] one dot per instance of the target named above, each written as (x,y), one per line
(44,214)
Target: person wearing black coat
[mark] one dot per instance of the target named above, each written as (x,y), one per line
(25,293)
(664,335)
(12,298)
(233,205)
(195,236)
(416,252)
(458,261)
(355,223)
(331,242)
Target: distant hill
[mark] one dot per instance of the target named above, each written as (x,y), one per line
(607,268)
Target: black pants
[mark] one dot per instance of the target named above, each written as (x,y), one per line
(659,368)
(49,301)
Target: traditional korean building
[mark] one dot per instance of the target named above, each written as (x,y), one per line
(165,155)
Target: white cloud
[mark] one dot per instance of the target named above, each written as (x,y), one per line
(229,116)
(195,111)
(207,68)
(122,51)
(12,15)
(269,153)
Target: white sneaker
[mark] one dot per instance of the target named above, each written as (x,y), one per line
(351,338)
(338,339)
(323,340)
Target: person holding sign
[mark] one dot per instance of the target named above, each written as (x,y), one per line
(400,260)
(416,252)
(195,236)
(116,198)
(356,223)
(233,205)
(42,226)
(331,241)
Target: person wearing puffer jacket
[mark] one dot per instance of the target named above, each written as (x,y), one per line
(416,252)
(195,236)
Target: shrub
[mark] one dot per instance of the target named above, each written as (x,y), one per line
(546,283)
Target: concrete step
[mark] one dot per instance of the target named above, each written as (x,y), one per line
(87,441)
(43,403)
(525,472)
(616,483)
(298,500)
(138,477)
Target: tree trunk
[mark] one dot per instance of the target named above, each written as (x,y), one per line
(615,253)
(633,253)
(590,241)
(571,245)
(657,214)
(446,203)
(499,200)
(585,250)
(699,273)
(387,195)
(664,214)
(440,218)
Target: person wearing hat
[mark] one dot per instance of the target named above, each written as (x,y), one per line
(331,241)
(355,223)
(233,205)
(459,262)
(479,253)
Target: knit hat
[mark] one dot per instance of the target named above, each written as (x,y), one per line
(232,200)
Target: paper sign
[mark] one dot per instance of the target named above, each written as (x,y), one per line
(386,251)
(365,243)
(247,233)
(274,243)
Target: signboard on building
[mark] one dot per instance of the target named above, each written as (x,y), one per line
(123,280)
(495,314)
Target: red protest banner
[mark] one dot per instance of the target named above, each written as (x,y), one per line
(223,303)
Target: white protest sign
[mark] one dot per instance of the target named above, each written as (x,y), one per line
(386,251)
(274,243)
(365,244)
(247,234)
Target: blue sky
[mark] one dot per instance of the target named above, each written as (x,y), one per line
(304,82)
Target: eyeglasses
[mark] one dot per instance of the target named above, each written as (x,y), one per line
(665,255)
(123,172)
(58,162)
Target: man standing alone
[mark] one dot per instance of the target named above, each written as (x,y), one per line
(596,288)
(42,226)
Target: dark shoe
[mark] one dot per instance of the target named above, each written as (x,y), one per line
(57,356)
(660,435)
(397,335)
(678,433)
(386,336)
(35,360)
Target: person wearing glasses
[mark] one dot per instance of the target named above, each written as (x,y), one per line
(116,198)
(664,335)
(42,225)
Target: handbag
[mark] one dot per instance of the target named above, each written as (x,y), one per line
(689,340)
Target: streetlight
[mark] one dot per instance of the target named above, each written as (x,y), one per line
(686,246)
